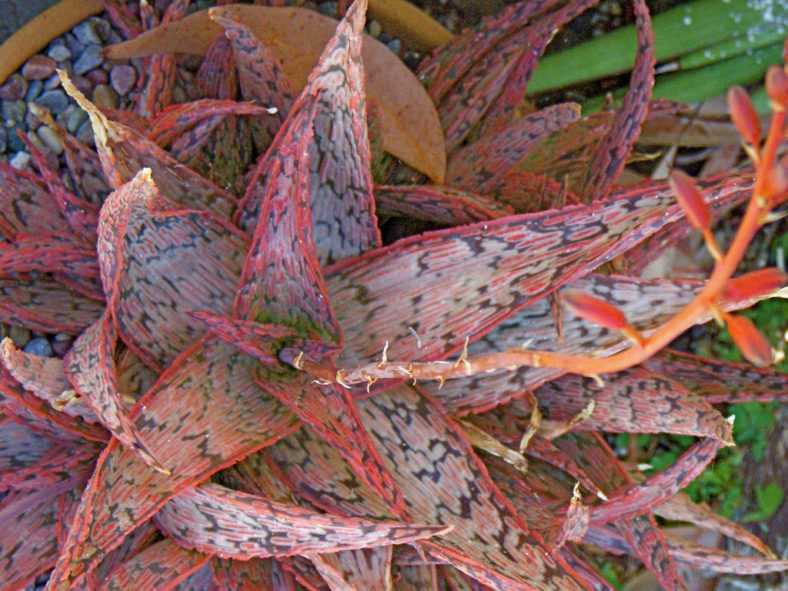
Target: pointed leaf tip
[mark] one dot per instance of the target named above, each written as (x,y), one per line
(690,199)
(743,115)
(755,284)
(595,310)
(777,86)
(752,344)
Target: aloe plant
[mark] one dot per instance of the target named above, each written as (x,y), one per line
(263,395)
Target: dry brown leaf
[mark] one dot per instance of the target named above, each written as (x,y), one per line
(409,23)
(409,124)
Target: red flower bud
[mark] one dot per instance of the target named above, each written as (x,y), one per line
(777,85)
(752,344)
(690,199)
(744,116)
(754,285)
(594,310)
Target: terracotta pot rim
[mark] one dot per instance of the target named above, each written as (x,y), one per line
(36,34)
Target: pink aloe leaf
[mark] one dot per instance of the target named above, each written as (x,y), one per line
(29,543)
(196,120)
(680,507)
(481,166)
(689,553)
(84,168)
(45,377)
(328,120)
(634,401)
(46,305)
(200,272)
(138,540)
(209,404)
(26,206)
(37,414)
(500,76)
(638,499)
(124,152)
(441,205)
(20,447)
(90,367)
(215,519)
(123,18)
(528,192)
(246,575)
(612,151)
(721,381)
(333,415)
(484,273)
(49,252)
(81,215)
(354,570)
(64,462)
(260,76)
(159,566)
(641,533)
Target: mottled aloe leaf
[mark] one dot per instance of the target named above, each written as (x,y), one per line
(260,77)
(441,205)
(90,367)
(84,168)
(148,293)
(721,381)
(37,414)
(641,533)
(124,152)
(245,575)
(159,566)
(329,121)
(252,338)
(201,580)
(20,447)
(354,570)
(26,207)
(49,252)
(528,192)
(680,507)
(482,165)
(209,404)
(614,148)
(81,215)
(643,497)
(633,401)
(215,519)
(500,76)
(46,378)
(194,121)
(333,415)
(29,542)
(63,463)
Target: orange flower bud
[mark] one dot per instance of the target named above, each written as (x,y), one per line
(777,85)
(752,344)
(594,310)
(690,199)
(744,116)
(753,285)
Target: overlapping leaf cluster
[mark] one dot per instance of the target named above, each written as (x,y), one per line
(173,448)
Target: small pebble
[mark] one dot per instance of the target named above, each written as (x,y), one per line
(31,120)
(85,134)
(39,346)
(97,76)
(50,139)
(15,144)
(34,90)
(3,138)
(13,112)
(93,185)
(86,33)
(37,143)
(123,78)
(54,100)
(61,344)
(83,85)
(105,96)
(101,27)
(38,67)
(75,119)
(14,88)
(394,45)
(20,336)
(52,82)
(90,58)
(59,52)
(374,29)
(20,160)
(74,46)
(179,95)
(328,8)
